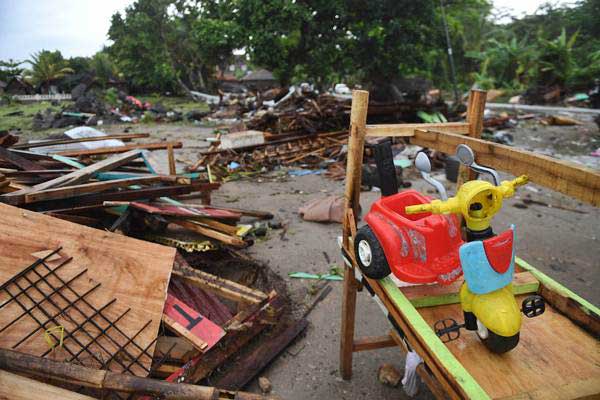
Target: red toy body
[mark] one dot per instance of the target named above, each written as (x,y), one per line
(419,248)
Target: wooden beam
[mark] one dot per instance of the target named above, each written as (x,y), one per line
(53,142)
(119,149)
(373,343)
(246,368)
(87,188)
(210,233)
(356,144)
(171,155)
(19,161)
(565,177)
(223,287)
(407,130)
(106,380)
(78,176)
(475,110)
(240,331)
(16,387)
(122,195)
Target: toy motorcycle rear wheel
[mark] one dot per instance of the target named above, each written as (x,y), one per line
(494,342)
(369,254)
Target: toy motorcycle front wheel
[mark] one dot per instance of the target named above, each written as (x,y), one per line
(369,254)
(494,342)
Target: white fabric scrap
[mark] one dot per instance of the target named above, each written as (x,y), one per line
(410,382)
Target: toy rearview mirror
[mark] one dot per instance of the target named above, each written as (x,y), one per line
(422,163)
(465,155)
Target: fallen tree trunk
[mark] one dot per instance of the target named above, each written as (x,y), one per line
(106,380)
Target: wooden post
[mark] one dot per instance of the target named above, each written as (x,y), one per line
(172,170)
(475,110)
(356,142)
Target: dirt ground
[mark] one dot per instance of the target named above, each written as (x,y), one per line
(561,239)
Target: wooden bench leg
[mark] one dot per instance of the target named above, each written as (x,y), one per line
(348,315)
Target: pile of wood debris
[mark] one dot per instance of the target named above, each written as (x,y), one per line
(297,126)
(119,315)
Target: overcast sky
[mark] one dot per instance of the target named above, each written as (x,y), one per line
(79,27)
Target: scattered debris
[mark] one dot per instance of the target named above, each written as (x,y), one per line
(328,209)
(264,384)
(389,375)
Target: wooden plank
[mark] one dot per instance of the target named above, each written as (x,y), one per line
(210,233)
(119,149)
(373,343)
(475,110)
(134,272)
(87,188)
(245,326)
(52,142)
(16,387)
(252,364)
(223,287)
(552,353)
(565,177)
(408,130)
(356,143)
(587,389)
(186,211)
(98,199)
(19,161)
(107,381)
(436,295)
(171,156)
(76,177)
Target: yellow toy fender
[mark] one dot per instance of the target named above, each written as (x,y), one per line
(498,311)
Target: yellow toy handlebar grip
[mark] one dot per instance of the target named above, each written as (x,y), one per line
(417,209)
(520,181)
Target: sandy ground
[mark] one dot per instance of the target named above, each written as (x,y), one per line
(562,243)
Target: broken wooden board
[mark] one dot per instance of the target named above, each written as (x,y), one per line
(16,387)
(250,365)
(223,287)
(119,149)
(185,211)
(134,272)
(201,332)
(75,177)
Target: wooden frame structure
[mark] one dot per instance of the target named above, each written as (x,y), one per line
(461,369)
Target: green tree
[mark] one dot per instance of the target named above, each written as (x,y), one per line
(139,48)
(103,68)
(10,69)
(164,44)
(47,67)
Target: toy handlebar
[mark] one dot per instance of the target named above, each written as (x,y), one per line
(452,205)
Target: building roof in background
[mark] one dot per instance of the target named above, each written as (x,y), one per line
(259,75)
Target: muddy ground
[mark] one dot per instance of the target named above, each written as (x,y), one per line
(557,234)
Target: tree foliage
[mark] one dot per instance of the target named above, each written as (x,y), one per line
(10,69)
(47,67)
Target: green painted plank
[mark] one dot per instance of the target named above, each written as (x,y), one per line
(450,363)
(586,306)
(453,298)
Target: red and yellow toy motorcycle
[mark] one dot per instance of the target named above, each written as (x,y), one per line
(419,240)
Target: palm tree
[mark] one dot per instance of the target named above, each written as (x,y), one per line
(46,68)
